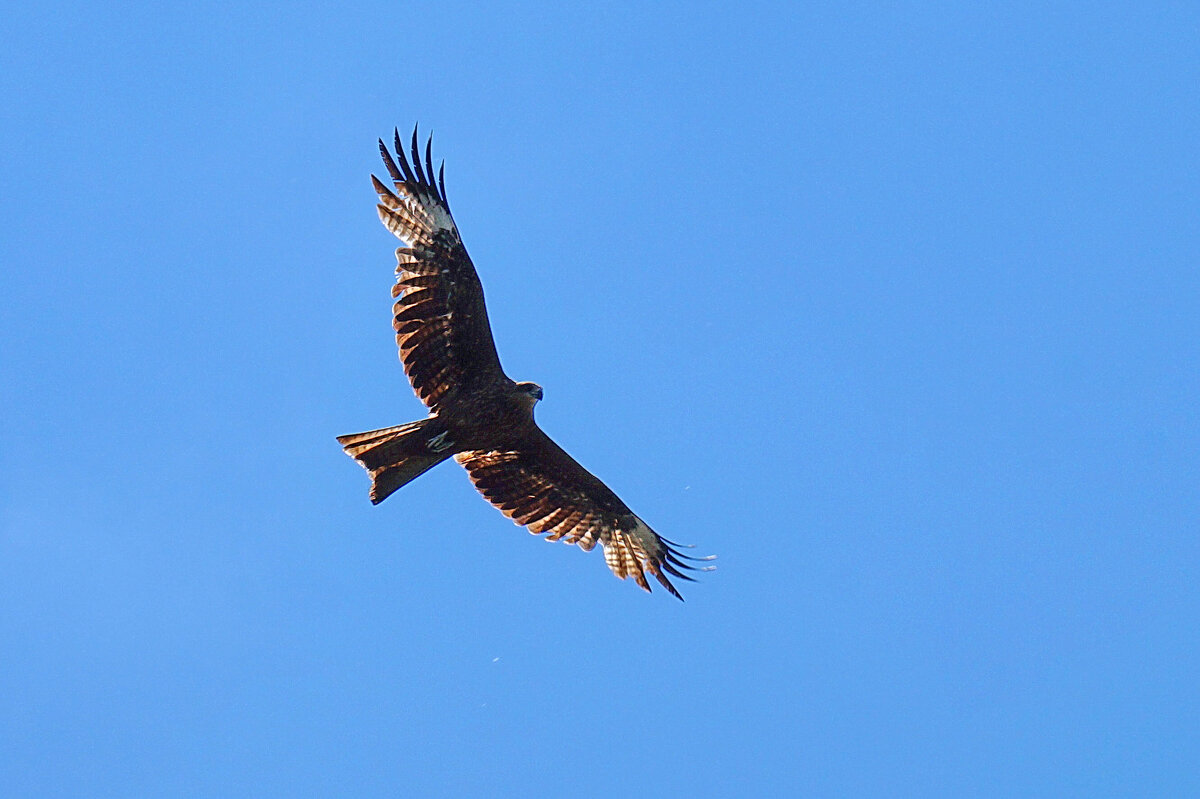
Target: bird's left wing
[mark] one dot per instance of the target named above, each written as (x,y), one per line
(537,484)
(440,318)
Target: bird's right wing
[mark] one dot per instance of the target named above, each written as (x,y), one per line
(537,484)
(440,319)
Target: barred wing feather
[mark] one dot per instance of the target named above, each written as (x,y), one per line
(440,318)
(538,485)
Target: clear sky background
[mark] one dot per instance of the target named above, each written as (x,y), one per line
(893,307)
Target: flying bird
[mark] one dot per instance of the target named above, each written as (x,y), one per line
(478,415)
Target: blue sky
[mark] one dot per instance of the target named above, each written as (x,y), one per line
(893,308)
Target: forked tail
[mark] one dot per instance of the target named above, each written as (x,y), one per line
(394,456)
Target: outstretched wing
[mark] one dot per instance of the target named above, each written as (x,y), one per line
(537,484)
(440,319)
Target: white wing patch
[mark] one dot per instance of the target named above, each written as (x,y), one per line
(438,216)
(415,218)
(417,212)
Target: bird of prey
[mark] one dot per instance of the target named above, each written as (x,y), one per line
(479,416)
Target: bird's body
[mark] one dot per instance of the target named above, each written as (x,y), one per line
(478,415)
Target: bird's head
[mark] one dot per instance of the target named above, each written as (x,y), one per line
(529,390)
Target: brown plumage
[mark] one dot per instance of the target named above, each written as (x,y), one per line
(477,414)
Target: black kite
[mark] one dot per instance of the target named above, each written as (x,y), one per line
(477,414)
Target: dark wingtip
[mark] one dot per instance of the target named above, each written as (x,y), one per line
(667,585)
(429,158)
(442,183)
(416,157)
(407,175)
(389,163)
(415,172)
(674,548)
(670,568)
